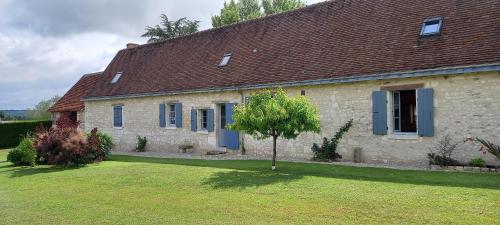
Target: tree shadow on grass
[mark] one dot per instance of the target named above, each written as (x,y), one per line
(247,179)
(21,171)
(258,172)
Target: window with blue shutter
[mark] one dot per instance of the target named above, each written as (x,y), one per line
(425,105)
(210,120)
(171,115)
(162,115)
(379,112)
(178,115)
(193,120)
(118,116)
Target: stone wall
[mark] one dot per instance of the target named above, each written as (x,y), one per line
(80,117)
(464,106)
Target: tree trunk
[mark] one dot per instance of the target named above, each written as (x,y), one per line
(274,152)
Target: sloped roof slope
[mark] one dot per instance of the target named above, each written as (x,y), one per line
(333,39)
(72,100)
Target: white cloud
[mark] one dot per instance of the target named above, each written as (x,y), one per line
(45,46)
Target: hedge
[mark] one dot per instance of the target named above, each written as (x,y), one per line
(12,133)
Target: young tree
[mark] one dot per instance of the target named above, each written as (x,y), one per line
(241,10)
(269,114)
(171,29)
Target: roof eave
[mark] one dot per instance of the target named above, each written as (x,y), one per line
(493,67)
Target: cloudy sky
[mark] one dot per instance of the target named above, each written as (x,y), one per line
(45,46)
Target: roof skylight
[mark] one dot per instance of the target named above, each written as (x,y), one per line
(116,78)
(225,60)
(431,26)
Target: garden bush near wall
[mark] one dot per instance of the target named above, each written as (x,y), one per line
(11,134)
(328,150)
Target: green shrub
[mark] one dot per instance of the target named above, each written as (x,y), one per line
(141,143)
(440,160)
(106,143)
(24,154)
(477,162)
(12,133)
(486,146)
(328,150)
(67,146)
(441,154)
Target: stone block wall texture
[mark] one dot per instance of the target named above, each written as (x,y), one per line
(464,106)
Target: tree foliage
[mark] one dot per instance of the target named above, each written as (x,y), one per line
(40,111)
(229,14)
(278,6)
(171,29)
(268,114)
(241,10)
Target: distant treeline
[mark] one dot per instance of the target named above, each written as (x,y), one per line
(15,114)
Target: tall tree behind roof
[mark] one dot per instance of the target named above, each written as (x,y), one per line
(278,6)
(40,111)
(171,29)
(234,12)
(229,14)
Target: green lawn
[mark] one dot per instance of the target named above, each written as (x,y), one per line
(134,190)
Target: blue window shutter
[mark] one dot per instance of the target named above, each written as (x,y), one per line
(425,105)
(178,115)
(193,119)
(379,112)
(232,137)
(163,122)
(210,120)
(117,116)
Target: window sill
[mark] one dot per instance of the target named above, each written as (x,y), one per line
(202,132)
(171,128)
(404,136)
(118,128)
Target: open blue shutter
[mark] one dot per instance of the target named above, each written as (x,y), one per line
(210,120)
(163,123)
(178,115)
(193,119)
(379,112)
(232,137)
(117,116)
(425,105)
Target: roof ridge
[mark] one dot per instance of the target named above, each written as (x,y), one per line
(238,23)
(93,74)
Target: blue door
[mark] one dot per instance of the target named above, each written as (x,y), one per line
(222,125)
(231,137)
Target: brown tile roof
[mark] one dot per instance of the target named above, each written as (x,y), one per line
(72,100)
(333,39)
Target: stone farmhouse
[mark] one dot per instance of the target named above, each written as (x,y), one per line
(406,72)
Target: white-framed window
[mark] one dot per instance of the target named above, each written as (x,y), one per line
(171,117)
(203,119)
(225,60)
(116,78)
(404,111)
(431,26)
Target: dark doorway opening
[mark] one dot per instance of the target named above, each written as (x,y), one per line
(405,105)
